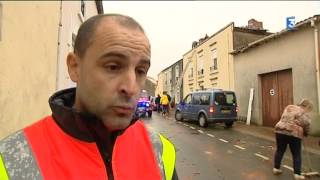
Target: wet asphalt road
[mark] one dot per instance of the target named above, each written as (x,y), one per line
(216,153)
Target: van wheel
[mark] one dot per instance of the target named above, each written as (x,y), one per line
(178,116)
(203,121)
(229,124)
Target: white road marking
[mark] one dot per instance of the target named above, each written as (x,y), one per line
(211,135)
(288,167)
(179,122)
(185,124)
(313,173)
(192,127)
(223,140)
(263,157)
(200,131)
(208,152)
(239,147)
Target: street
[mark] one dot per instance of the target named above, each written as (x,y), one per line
(217,153)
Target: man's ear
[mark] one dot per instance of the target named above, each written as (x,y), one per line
(73,66)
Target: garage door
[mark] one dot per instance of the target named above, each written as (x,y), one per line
(276,95)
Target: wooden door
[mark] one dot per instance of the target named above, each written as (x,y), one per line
(276,95)
(270,105)
(285,89)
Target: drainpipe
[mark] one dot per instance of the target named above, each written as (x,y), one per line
(58,49)
(229,79)
(316,46)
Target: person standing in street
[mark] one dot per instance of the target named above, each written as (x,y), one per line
(91,133)
(164,101)
(157,102)
(290,130)
(169,105)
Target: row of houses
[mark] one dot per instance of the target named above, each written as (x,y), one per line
(208,64)
(281,68)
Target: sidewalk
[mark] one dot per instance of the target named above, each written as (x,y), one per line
(311,143)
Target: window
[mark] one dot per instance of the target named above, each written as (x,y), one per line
(214,59)
(177,72)
(196,99)
(83,8)
(178,97)
(188,99)
(205,99)
(230,98)
(224,98)
(169,77)
(191,72)
(201,72)
(200,65)
(220,99)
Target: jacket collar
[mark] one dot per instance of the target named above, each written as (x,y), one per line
(80,125)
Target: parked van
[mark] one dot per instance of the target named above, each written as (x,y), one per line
(210,106)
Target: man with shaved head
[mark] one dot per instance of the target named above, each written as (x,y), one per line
(91,133)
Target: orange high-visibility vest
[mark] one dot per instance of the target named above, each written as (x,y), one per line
(44,151)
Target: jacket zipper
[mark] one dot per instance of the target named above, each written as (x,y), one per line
(108,165)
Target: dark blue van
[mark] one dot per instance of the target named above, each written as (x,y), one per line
(209,106)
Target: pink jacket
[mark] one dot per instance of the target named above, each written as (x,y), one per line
(294,122)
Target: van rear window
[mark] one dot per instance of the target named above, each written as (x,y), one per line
(225,98)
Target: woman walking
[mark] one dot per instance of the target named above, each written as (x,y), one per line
(290,130)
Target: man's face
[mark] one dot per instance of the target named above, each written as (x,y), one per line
(112,73)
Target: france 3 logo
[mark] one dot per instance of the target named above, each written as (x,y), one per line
(291,21)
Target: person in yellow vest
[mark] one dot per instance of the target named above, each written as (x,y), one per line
(91,133)
(164,101)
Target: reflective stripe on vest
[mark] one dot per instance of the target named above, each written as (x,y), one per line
(17,160)
(168,157)
(164,152)
(3,171)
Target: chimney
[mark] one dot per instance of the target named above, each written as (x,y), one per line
(254,24)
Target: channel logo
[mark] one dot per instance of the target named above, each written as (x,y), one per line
(291,21)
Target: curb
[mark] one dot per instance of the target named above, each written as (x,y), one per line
(270,138)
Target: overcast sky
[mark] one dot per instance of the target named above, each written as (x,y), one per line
(172,26)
